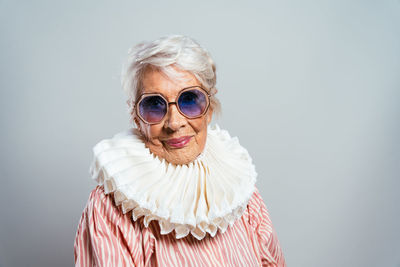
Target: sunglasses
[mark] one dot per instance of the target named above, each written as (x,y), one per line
(192,102)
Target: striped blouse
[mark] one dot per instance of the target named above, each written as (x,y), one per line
(107,237)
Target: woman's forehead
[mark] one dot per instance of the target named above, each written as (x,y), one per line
(155,81)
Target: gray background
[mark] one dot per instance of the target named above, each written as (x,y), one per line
(311,88)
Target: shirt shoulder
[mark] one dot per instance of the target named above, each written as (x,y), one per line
(257,209)
(106,235)
(103,204)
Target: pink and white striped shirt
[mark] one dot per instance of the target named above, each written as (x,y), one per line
(107,237)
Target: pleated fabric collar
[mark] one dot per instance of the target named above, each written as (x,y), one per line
(205,196)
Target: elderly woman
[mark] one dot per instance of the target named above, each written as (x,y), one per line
(174,191)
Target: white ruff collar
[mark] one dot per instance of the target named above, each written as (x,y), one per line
(208,194)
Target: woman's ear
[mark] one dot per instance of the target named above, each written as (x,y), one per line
(209,115)
(136,120)
(139,126)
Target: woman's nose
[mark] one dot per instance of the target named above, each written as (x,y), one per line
(174,119)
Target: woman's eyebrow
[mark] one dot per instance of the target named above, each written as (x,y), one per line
(150,90)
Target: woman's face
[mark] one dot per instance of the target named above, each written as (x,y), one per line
(177,139)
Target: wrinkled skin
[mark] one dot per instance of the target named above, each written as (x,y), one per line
(174,124)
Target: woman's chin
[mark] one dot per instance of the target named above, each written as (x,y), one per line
(175,154)
(180,156)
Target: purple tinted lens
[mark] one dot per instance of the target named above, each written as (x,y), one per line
(192,102)
(152,108)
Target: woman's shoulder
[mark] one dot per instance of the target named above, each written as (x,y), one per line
(257,209)
(98,194)
(256,201)
(98,197)
(102,204)
(105,234)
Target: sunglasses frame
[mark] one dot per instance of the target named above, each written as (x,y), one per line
(142,96)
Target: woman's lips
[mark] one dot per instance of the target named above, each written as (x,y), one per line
(178,142)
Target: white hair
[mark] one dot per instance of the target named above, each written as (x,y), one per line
(163,54)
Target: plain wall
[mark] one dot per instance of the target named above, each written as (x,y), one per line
(311,88)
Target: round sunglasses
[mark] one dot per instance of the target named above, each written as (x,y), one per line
(192,102)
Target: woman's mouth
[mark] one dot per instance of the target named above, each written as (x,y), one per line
(178,142)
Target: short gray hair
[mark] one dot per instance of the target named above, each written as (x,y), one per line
(164,53)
